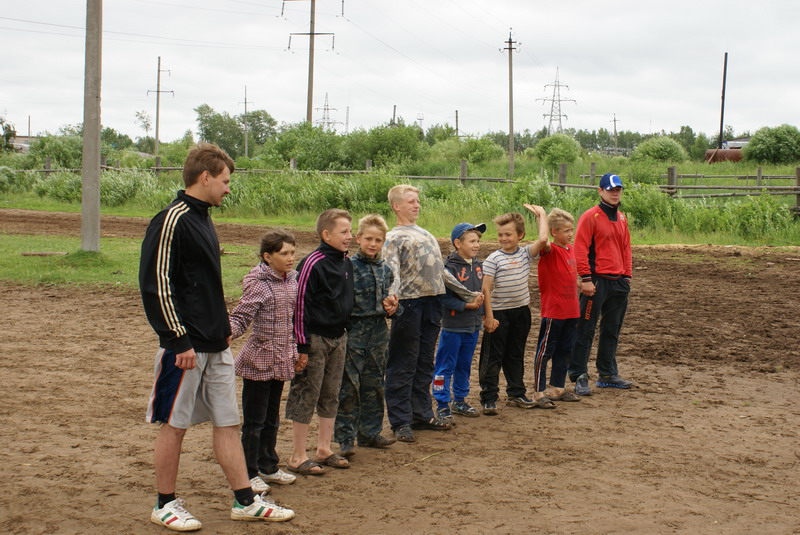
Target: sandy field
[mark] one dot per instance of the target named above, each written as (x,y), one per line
(707,442)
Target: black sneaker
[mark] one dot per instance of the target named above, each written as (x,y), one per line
(462,408)
(582,385)
(520,401)
(612,381)
(347,449)
(490,408)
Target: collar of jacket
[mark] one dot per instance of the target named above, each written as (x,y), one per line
(266,273)
(610,210)
(195,204)
(331,252)
(367,260)
(455,257)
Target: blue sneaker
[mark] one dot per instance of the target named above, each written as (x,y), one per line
(612,381)
(582,385)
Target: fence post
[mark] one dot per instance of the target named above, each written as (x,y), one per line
(47,163)
(463,171)
(592,173)
(562,176)
(369,165)
(759,176)
(103,162)
(158,165)
(119,164)
(293,163)
(672,179)
(797,197)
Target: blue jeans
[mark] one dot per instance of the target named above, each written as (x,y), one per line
(409,368)
(453,363)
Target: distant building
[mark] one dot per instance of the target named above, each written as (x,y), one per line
(23,143)
(735,143)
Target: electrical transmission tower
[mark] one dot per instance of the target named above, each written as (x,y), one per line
(554,126)
(326,122)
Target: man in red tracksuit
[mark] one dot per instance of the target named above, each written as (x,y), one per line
(603,256)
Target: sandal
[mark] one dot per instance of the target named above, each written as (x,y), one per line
(434,424)
(334,460)
(307,468)
(566,396)
(544,403)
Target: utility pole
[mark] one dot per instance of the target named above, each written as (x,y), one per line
(158,98)
(555,106)
(616,143)
(311,35)
(510,48)
(347,118)
(457,134)
(90,184)
(722,112)
(245,122)
(394,115)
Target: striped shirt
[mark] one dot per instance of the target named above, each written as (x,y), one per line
(511,272)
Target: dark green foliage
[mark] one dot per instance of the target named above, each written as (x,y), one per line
(778,145)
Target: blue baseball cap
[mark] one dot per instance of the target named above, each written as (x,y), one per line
(461,228)
(610,181)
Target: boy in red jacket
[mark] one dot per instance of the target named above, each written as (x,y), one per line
(603,256)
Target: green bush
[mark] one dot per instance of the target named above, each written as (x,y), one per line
(557,149)
(779,145)
(660,149)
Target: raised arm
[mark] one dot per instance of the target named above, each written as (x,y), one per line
(542,242)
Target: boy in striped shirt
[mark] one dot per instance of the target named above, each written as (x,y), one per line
(507,319)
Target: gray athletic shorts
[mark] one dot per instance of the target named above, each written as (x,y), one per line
(183,398)
(318,386)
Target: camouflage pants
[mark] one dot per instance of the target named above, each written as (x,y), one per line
(361,405)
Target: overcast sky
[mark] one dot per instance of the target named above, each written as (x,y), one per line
(655,65)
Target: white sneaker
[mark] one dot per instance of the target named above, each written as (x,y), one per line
(173,516)
(259,486)
(261,509)
(280,477)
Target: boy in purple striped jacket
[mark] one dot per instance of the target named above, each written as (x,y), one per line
(324,303)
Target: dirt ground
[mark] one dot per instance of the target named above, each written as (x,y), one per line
(707,442)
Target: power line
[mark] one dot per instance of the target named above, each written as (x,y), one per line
(555,106)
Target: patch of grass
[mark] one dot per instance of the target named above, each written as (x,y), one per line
(117,263)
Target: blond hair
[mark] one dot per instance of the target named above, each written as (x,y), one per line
(372,221)
(557,218)
(397,193)
(327,219)
(511,217)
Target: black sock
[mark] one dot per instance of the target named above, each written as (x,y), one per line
(244,496)
(164,499)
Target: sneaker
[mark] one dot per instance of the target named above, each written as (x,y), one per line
(173,516)
(347,449)
(261,509)
(490,408)
(582,385)
(259,486)
(280,477)
(445,415)
(404,433)
(462,408)
(520,401)
(612,381)
(378,441)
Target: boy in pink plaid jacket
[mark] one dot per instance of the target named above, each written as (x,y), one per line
(269,357)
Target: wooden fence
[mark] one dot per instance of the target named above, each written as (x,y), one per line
(673,187)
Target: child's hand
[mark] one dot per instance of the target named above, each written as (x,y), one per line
(390,305)
(302,362)
(490,324)
(536,210)
(476,303)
